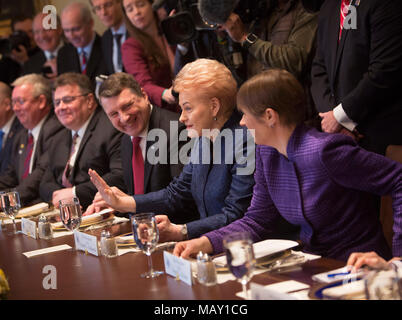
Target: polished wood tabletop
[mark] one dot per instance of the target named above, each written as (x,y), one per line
(85,276)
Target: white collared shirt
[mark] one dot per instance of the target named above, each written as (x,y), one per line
(87,49)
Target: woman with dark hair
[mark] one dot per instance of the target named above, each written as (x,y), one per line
(147,55)
(321,182)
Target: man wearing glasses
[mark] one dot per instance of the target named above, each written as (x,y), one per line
(84,52)
(32,104)
(110,12)
(88,141)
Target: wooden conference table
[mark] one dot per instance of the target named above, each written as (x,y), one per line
(81,276)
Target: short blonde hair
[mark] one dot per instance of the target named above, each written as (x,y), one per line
(209,78)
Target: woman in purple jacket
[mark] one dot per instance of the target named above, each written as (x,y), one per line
(322,182)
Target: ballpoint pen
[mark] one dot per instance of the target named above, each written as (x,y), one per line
(333,275)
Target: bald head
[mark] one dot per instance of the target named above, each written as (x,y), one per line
(77,24)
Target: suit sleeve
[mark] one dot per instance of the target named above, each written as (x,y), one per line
(367,172)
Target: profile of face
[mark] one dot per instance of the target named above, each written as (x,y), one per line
(128,112)
(139,12)
(78,31)
(72,108)
(196,113)
(46,39)
(109,12)
(257,126)
(27,107)
(26,26)
(5,108)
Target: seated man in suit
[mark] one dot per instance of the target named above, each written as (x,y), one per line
(9,126)
(88,141)
(110,12)
(49,41)
(128,108)
(84,52)
(32,104)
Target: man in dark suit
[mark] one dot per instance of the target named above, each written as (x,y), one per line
(9,126)
(49,41)
(356,72)
(31,102)
(84,52)
(110,12)
(89,141)
(128,108)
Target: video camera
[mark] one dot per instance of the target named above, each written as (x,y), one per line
(13,42)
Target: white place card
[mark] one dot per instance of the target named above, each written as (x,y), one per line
(177,267)
(260,292)
(86,243)
(34,253)
(28,228)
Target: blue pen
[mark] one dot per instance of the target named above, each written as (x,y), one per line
(333,275)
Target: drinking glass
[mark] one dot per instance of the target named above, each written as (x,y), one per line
(240,257)
(146,236)
(10,204)
(70,213)
(383,284)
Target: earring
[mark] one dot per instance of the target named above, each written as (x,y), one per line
(215,118)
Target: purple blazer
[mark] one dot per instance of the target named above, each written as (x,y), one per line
(325,186)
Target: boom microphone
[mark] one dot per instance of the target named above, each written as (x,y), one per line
(216,12)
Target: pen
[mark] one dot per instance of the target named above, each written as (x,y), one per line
(332,275)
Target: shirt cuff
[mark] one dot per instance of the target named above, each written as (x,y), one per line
(397,263)
(341,116)
(74,194)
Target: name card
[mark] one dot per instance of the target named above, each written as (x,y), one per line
(177,267)
(259,292)
(86,243)
(28,228)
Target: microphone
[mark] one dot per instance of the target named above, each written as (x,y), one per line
(216,12)
(158,4)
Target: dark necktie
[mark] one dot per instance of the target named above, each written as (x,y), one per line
(344,11)
(1,139)
(138,166)
(28,156)
(67,170)
(83,61)
(117,39)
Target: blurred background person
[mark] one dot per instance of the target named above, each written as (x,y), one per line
(128,108)
(89,141)
(83,53)
(307,177)
(9,126)
(147,55)
(49,42)
(110,12)
(211,181)
(32,104)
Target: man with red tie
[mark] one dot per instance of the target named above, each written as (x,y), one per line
(32,104)
(356,73)
(83,53)
(128,108)
(88,141)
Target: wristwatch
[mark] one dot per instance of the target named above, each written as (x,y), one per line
(184,231)
(249,41)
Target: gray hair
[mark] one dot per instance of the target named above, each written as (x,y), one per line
(85,11)
(40,85)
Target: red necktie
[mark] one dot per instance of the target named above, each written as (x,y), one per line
(138,166)
(84,62)
(344,11)
(67,170)
(28,156)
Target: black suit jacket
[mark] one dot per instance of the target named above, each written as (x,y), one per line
(156,176)
(68,60)
(35,63)
(99,150)
(363,71)
(107,48)
(6,150)
(12,177)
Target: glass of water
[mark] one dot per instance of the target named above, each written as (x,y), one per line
(10,204)
(70,213)
(240,257)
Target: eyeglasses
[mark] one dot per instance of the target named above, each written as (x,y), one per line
(73,30)
(106,5)
(67,99)
(21,101)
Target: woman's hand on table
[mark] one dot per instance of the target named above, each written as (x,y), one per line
(185,249)
(371,259)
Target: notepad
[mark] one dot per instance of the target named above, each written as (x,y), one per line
(34,253)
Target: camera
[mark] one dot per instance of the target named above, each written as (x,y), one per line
(13,42)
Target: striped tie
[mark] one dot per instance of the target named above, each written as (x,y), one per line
(83,61)
(344,11)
